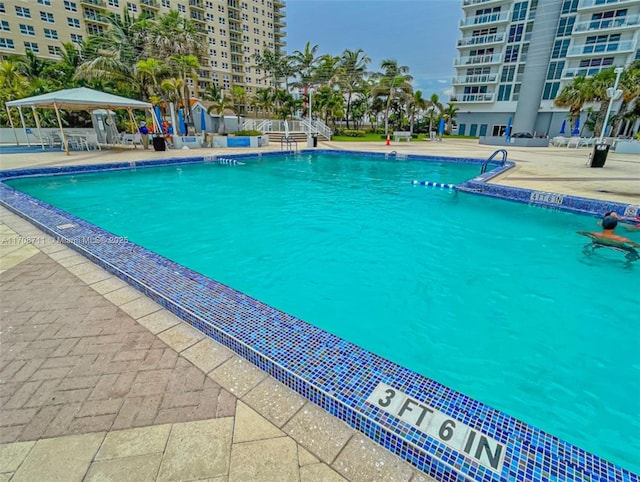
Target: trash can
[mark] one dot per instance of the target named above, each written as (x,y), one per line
(159,144)
(599,155)
(309,140)
(315,140)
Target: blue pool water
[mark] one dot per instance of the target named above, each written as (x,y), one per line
(492,298)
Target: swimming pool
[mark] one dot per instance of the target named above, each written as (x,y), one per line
(358,249)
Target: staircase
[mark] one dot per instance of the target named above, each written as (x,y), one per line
(297,129)
(299,137)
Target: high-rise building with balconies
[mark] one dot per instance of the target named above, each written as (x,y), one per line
(515,56)
(233,31)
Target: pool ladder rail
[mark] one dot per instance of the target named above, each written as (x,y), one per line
(485,164)
(288,142)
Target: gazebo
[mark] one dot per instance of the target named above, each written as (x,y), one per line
(80,98)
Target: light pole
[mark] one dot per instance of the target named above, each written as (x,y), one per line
(614,94)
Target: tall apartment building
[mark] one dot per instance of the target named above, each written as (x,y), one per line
(515,56)
(234,30)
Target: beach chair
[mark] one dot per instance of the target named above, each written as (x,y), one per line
(91,141)
(573,141)
(34,138)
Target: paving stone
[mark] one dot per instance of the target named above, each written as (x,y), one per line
(207,354)
(140,307)
(363,460)
(38,425)
(305,457)
(251,426)
(137,412)
(197,450)
(274,401)
(12,455)
(180,337)
(317,431)
(141,469)
(123,295)
(264,461)
(108,285)
(10,434)
(63,459)
(159,321)
(134,442)
(315,472)
(237,375)
(18,416)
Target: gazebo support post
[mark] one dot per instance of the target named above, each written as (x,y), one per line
(133,125)
(24,126)
(15,134)
(37,118)
(64,139)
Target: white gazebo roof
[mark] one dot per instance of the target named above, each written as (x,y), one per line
(80,98)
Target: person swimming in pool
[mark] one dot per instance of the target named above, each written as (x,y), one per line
(608,237)
(634,222)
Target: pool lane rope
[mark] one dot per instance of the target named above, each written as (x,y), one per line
(223,160)
(442,185)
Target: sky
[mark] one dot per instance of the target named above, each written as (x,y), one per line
(420,34)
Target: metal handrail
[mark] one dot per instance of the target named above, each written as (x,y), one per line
(485,164)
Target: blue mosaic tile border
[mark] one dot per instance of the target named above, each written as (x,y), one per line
(331,372)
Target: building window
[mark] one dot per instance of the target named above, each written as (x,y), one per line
(550,90)
(27,30)
(132,7)
(515,33)
(23,12)
(54,50)
(507,73)
(4,26)
(182,8)
(114,3)
(32,46)
(504,92)
(511,54)
(51,34)
(46,3)
(560,48)
(47,17)
(555,70)
(70,6)
(95,29)
(519,11)
(73,22)
(75,38)
(2,9)
(166,3)
(571,6)
(6,43)
(565,26)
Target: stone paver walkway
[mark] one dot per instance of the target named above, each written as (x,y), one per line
(98,382)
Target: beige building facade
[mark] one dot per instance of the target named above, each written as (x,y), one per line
(234,31)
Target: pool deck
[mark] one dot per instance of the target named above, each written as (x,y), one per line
(98,382)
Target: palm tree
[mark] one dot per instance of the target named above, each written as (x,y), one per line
(239,99)
(173,34)
(574,97)
(630,85)
(353,65)
(148,74)
(220,104)
(390,82)
(13,85)
(450,113)
(327,72)
(186,67)
(263,101)
(274,63)
(416,104)
(303,63)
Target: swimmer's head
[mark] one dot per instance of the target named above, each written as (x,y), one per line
(609,222)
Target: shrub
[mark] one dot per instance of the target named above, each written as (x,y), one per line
(353,133)
(248,133)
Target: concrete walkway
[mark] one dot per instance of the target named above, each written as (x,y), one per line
(97,382)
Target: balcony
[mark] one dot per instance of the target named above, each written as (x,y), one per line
(197,17)
(233,5)
(476,3)
(475,98)
(196,4)
(478,60)
(476,79)
(150,3)
(603,4)
(94,3)
(482,20)
(588,50)
(92,17)
(482,40)
(583,72)
(608,23)
(278,3)
(280,23)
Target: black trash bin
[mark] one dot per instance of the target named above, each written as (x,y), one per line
(315,140)
(599,155)
(159,144)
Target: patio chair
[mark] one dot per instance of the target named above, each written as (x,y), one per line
(55,140)
(573,141)
(35,138)
(559,141)
(91,141)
